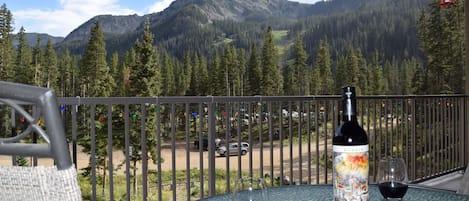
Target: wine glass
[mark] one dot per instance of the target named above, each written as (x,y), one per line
(250,189)
(392,178)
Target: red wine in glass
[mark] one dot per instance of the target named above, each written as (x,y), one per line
(392,178)
(392,189)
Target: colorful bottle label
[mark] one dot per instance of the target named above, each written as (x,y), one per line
(350,174)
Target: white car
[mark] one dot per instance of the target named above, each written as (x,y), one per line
(233,149)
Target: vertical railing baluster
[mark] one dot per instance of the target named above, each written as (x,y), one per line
(127,150)
(143,146)
(93,151)
(109,146)
(261,140)
(173,149)
(308,135)
(316,117)
(326,156)
(290,140)
(300,143)
(188,156)
(74,110)
(271,142)
(413,140)
(211,149)
(227,115)
(158,151)
(201,153)
(281,137)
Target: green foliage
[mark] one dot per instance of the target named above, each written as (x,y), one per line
(168,76)
(68,75)
(7,71)
(24,73)
(50,72)
(440,35)
(271,83)
(145,79)
(323,70)
(254,72)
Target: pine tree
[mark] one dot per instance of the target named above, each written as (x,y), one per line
(407,72)
(167,74)
(37,63)
(97,81)
(216,76)
(439,36)
(376,80)
(185,74)
(341,74)
(145,81)
(351,70)
(23,71)
(315,81)
(145,75)
(254,74)
(271,82)
(323,66)
(300,81)
(290,85)
(7,72)
(194,82)
(95,74)
(51,72)
(117,73)
(129,61)
(241,66)
(66,78)
(363,73)
(202,76)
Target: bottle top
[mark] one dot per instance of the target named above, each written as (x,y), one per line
(349,108)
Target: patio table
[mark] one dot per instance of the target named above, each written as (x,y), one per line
(324,192)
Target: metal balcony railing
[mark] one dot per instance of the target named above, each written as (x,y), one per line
(144,148)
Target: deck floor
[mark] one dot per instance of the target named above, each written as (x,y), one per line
(450,182)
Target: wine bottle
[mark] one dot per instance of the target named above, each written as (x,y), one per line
(350,153)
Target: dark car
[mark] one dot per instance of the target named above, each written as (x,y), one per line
(205,143)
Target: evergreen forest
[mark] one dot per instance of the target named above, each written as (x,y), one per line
(391,48)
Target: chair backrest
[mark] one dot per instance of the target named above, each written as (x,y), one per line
(44,99)
(57,182)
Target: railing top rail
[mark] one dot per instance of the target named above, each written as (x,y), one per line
(221,99)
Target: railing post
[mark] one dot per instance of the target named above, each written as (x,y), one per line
(414,141)
(211,149)
(466,69)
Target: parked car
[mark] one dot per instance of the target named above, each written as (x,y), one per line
(234,149)
(205,143)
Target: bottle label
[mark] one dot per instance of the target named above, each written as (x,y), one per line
(350,175)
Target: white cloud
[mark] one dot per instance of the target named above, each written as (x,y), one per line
(70,15)
(159,6)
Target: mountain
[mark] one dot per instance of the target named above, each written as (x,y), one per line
(111,25)
(204,25)
(176,27)
(31,39)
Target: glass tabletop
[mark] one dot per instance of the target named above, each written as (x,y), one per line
(324,192)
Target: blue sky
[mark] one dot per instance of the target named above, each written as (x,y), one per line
(60,17)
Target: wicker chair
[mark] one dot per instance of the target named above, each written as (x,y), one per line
(56,182)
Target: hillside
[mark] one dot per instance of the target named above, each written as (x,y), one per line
(202,25)
(198,23)
(31,39)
